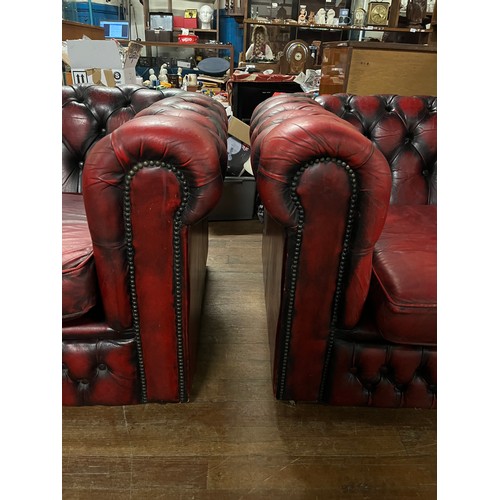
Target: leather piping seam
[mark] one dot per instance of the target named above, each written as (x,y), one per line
(289,307)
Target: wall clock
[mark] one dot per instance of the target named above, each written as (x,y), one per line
(378,13)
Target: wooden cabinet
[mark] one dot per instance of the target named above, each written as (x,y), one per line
(72,30)
(365,68)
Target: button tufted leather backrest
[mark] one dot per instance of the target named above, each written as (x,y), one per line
(404,129)
(89,112)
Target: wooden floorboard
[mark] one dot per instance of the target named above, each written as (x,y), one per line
(233,440)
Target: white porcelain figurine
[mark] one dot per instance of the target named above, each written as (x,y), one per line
(330,16)
(320,17)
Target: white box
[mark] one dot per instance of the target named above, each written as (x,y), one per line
(100,62)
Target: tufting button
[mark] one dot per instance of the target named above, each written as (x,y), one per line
(102,366)
(425,173)
(353,370)
(384,370)
(103,131)
(84,381)
(80,164)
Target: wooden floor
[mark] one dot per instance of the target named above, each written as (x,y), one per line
(233,440)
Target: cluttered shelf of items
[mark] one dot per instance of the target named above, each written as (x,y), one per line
(175,48)
(114,63)
(356,46)
(325,27)
(317,22)
(207,46)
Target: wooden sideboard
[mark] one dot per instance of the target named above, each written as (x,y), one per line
(74,31)
(364,68)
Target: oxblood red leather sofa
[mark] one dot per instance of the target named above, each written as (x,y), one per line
(348,184)
(141,170)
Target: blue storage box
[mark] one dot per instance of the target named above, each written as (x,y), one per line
(100,12)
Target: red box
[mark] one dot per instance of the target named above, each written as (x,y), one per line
(178,22)
(190,23)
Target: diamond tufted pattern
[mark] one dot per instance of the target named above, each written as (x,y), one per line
(404,129)
(99,372)
(89,112)
(383,376)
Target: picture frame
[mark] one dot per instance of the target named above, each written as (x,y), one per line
(161,21)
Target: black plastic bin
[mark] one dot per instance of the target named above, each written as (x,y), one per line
(237,201)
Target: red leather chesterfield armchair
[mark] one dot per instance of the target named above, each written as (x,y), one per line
(141,170)
(348,185)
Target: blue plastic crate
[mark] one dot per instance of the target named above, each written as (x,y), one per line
(100,12)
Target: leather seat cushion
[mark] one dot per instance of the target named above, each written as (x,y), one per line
(404,284)
(79,282)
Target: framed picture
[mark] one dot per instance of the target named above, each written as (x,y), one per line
(161,21)
(190,14)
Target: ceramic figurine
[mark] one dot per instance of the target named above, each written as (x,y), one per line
(302,14)
(320,17)
(330,16)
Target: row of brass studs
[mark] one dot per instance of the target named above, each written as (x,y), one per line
(339,291)
(177,275)
(178,283)
(293,279)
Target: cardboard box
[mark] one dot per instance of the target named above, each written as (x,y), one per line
(100,62)
(178,22)
(240,130)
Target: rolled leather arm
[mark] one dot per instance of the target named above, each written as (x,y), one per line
(142,185)
(200,109)
(329,185)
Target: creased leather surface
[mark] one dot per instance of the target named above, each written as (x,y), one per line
(404,284)
(78,267)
